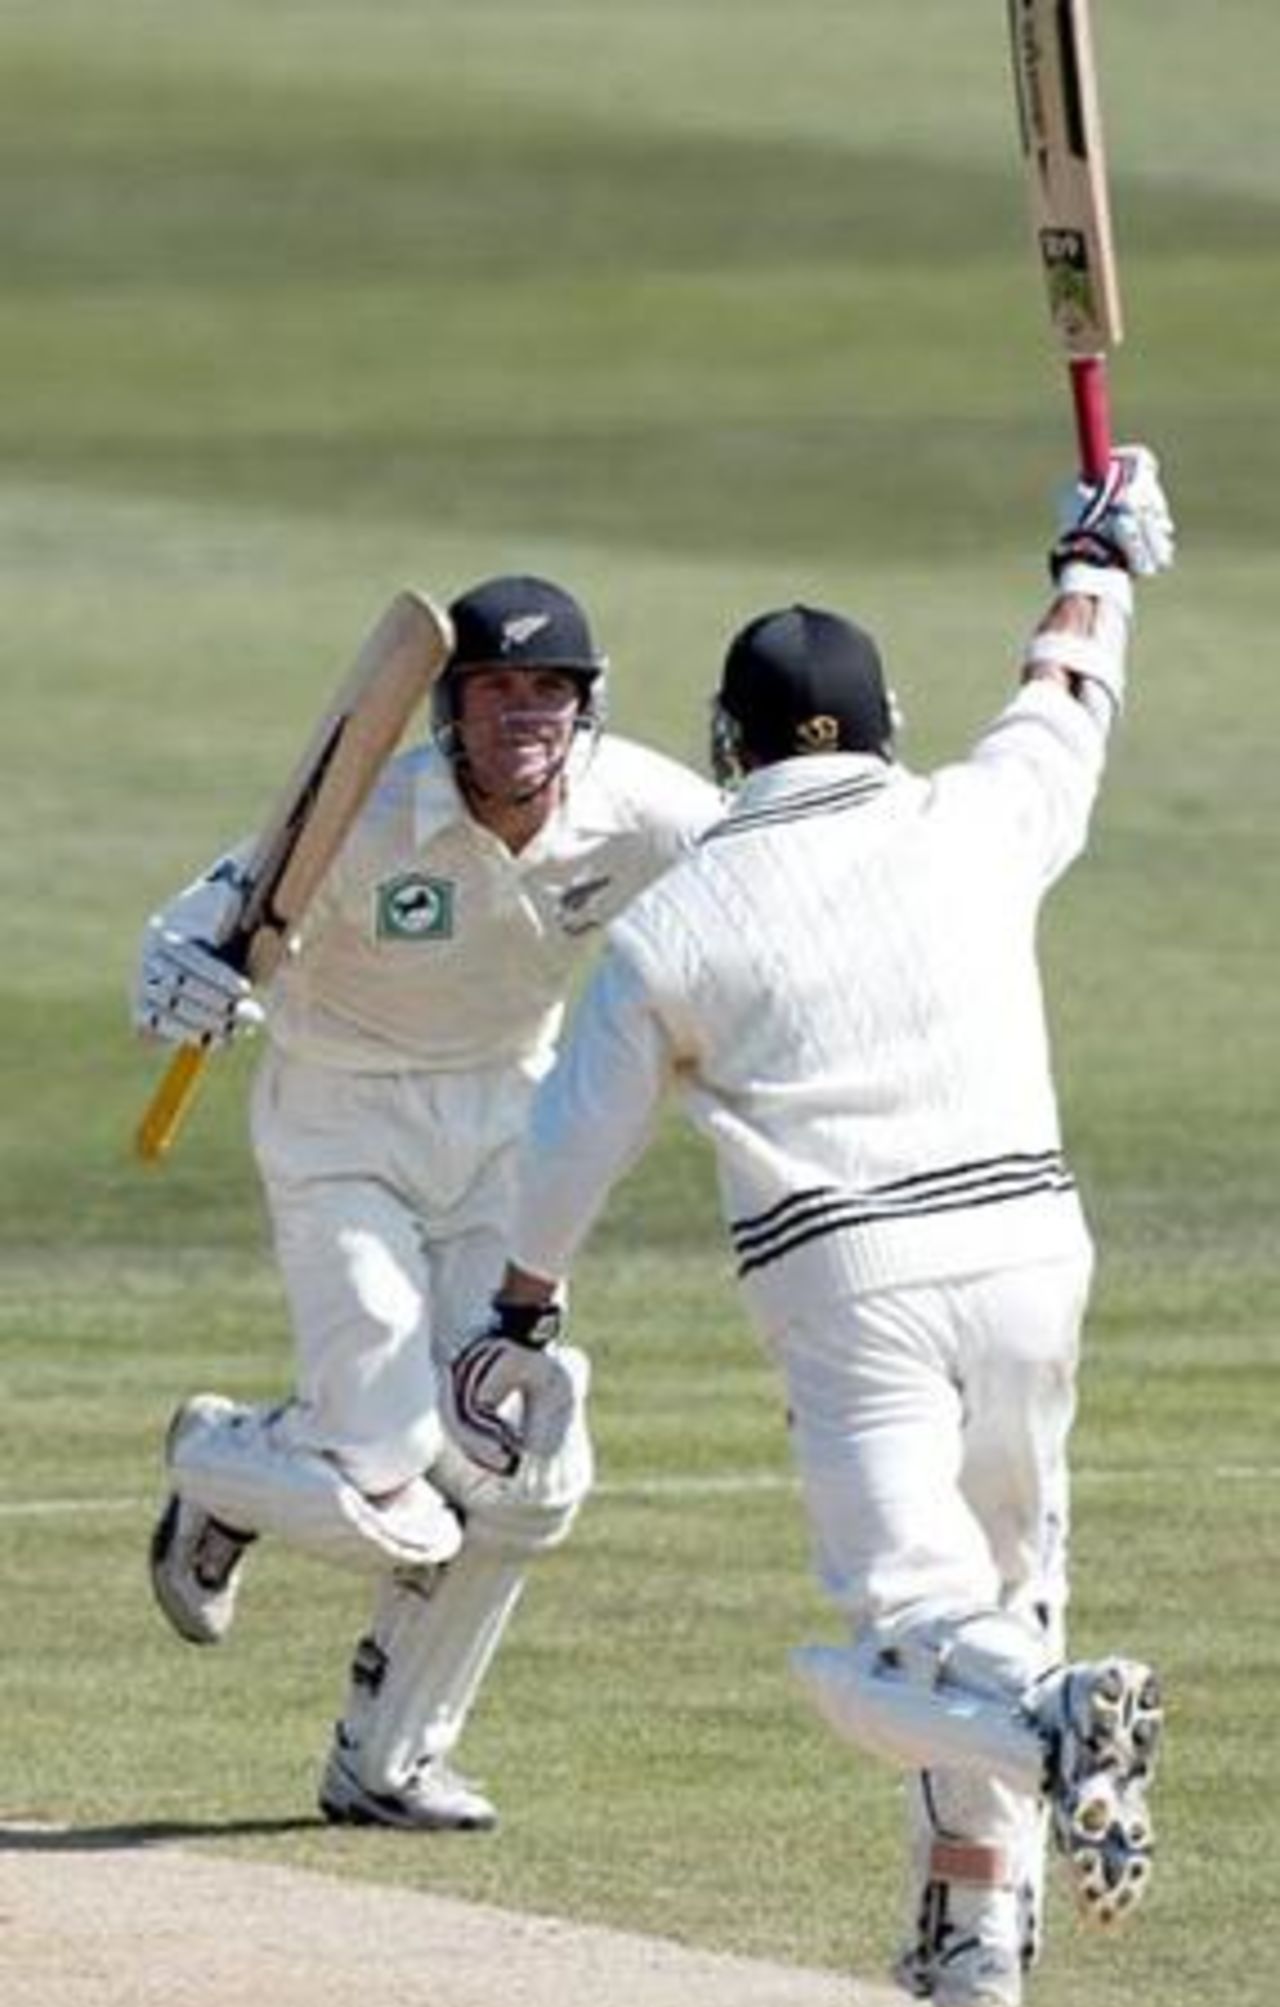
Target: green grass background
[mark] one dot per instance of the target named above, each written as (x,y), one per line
(699,307)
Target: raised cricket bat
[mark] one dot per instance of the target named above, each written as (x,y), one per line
(398,662)
(1061,131)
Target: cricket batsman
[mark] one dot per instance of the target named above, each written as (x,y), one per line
(405,1033)
(841,984)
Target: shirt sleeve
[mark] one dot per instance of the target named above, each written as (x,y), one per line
(669,802)
(1040,763)
(592,1116)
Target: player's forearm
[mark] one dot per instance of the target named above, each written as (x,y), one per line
(1072,614)
(591,1119)
(1082,641)
(576,1152)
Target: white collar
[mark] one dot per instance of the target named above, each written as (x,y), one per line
(807,772)
(439,803)
(437,798)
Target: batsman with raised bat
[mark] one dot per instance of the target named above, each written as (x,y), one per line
(416,1005)
(840,984)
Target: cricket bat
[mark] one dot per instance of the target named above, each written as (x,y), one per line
(398,662)
(1061,133)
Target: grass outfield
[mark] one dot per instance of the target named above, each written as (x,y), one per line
(698,306)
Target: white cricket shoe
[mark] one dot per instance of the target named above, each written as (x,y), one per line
(195,1571)
(968,1952)
(196,1560)
(983,1978)
(1105,1721)
(977,1976)
(434,1798)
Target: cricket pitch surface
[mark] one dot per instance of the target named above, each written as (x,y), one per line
(96,1920)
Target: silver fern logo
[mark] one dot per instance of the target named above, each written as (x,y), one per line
(521,629)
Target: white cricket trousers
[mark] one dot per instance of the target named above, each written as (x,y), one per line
(390,1197)
(930,1427)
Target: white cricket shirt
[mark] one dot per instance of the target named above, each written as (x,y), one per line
(430,947)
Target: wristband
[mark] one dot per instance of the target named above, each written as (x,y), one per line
(1080,546)
(532,1324)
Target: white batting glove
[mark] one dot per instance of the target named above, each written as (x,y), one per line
(187,995)
(508,1387)
(185,992)
(1123,519)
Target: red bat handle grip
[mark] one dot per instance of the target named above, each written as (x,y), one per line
(1093,413)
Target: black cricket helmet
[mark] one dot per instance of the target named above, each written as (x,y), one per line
(799,681)
(518,622)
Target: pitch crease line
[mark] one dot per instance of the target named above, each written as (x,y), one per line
(726,1484)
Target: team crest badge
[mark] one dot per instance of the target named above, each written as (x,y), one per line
(819,734)
(413,907)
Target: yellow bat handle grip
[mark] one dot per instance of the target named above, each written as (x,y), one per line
(169,1103)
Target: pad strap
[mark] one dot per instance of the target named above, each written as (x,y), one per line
(971,1864)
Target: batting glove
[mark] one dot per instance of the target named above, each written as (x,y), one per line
(500,1379)
(186,994)
(1121,520)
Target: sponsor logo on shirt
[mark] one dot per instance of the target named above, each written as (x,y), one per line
(414,907)
(576,899)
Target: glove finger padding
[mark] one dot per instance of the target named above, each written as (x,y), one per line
(485,1399)
(1122,519)
(186,993)
(506,1400)
(527,1504)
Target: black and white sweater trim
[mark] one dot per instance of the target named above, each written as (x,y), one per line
(830,800)
(819,1210)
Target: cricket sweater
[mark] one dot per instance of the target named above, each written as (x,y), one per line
(842,983)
